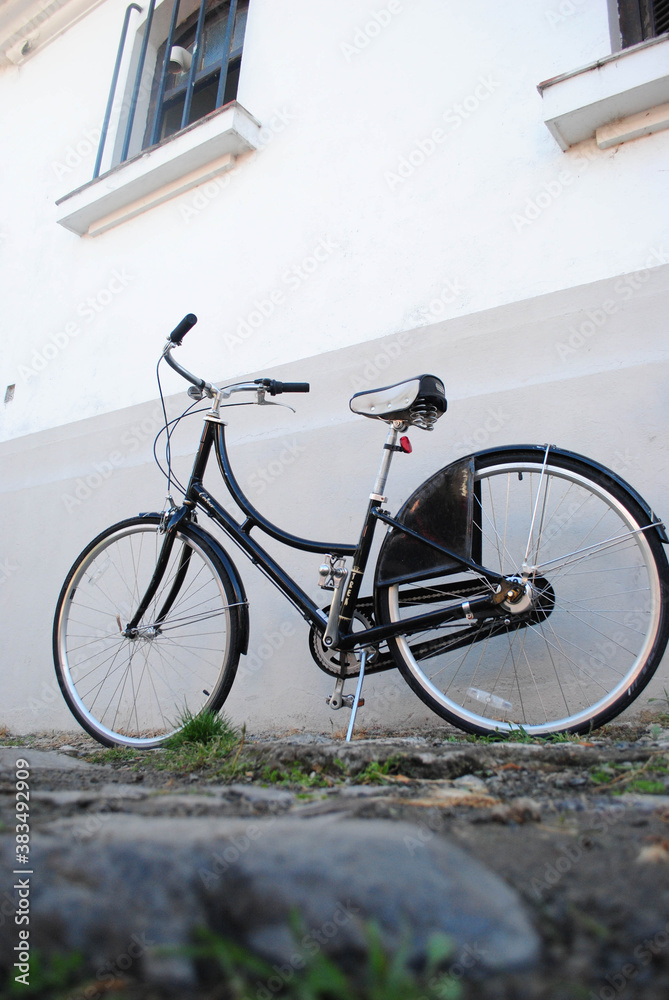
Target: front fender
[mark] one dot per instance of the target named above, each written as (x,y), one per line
(236,580)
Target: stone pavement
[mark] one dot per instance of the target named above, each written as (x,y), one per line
(546,882)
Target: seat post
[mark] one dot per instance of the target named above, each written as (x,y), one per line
(387,457)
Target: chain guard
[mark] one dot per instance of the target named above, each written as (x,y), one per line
(337,663)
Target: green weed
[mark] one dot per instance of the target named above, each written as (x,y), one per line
(46,977)
(377,773)
(628,776)
(295,776)
(310,975)
(114,755)
(203,729)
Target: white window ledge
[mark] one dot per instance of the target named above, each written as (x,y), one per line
(204,150)
(616,90)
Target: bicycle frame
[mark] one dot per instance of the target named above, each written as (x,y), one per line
(197,496)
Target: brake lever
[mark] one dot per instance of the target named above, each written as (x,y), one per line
(270,402)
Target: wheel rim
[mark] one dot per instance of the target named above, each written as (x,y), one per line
(134,691)
(573,663)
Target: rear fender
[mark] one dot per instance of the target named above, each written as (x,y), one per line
(647,514)
(441,510)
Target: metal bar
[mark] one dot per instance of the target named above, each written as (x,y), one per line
(259,557)
(232,14)
(255,518)
(190,86)
(356,700)
(163,75)
(419,623)
(138,81)
(112,89)
(488,574)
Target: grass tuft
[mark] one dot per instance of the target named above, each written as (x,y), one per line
(203,729)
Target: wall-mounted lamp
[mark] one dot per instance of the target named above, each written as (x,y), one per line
(180,60)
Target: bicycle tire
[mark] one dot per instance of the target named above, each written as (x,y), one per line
(599,626)
(136,692)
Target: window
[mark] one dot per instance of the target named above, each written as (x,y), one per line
(200,72)
(172,120)
(184,64)
(642,19)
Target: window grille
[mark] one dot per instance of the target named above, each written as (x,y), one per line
(642,19)
(183,89)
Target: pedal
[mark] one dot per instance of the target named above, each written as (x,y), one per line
(338,699)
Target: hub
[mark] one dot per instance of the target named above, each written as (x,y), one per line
(535,599)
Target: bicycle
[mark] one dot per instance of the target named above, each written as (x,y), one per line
(520,587)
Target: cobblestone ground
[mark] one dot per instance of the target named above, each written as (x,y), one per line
(579,828)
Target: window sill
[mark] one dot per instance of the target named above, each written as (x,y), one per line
(620,88)
(204,150)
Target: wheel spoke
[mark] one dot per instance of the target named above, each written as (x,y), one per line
(132,689)
(594,622)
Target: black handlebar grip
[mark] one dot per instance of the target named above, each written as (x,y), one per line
(180,331)
(278,387)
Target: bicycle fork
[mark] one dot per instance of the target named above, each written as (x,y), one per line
(132,628)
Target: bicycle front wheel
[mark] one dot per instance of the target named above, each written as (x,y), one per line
(136,690)
(591,627)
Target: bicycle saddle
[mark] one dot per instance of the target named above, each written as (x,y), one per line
(418,402)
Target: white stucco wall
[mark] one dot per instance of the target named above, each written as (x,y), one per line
(535,282)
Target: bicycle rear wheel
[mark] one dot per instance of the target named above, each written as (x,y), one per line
(182,659)
(592,628)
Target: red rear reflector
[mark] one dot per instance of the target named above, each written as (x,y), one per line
(405,445)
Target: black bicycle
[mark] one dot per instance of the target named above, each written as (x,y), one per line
(519,587)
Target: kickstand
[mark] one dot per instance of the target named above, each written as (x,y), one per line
(356,700)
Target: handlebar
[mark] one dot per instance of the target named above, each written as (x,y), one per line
(260,385)
(180,331)
(276,388)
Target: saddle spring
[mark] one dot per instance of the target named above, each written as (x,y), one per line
(424,414)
